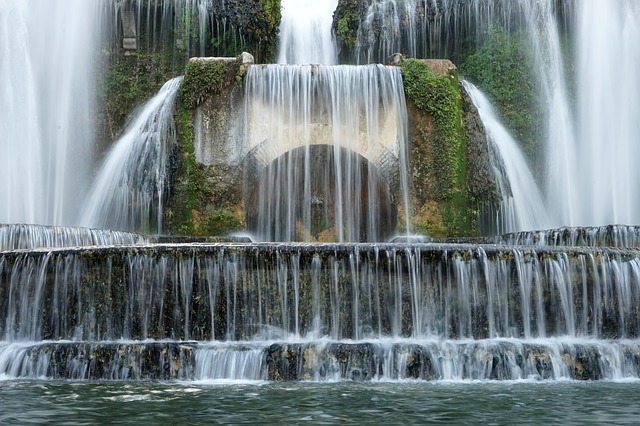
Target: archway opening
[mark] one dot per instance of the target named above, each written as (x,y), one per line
(321,193)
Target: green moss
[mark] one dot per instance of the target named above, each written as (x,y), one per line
(221,222)
(439,96)
(503,68)
(264,27)
(205,78)
(346,22)
(187,186)
(128,81)
(190,211)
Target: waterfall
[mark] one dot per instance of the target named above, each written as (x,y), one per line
(589,177)
(190,27)
(561,149)
(522,206)
(305,32)
(129,191)
(328,151)
(46,99)
(324,151)
(450,312)
(592,236)
(608,107)
(427,28)
(20,237)
(236,292)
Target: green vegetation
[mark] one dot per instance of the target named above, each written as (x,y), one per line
(190,210)
(264,27)
(439,96)
(346,22)
(502,67)
(204,78)
(187,187)
(127,82)
(190,214)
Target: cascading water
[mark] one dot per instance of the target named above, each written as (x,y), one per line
(46,104)
(329,151)
(522,206)
(595,236)
(192,27)
(427,28)
(449,311)
(305,32)
(589,173)
(21,237)
(608,107)
(129,191)
(326,148)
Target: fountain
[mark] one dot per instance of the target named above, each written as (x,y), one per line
(323,158)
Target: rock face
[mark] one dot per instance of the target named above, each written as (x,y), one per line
(206,196)
(448,152)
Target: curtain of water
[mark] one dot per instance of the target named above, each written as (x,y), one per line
(326,146)
(13,237)
(305,34)
(522,206)
(129,192)
(426,28)
(561,150)
(253,293)
(192,27)
(46,107)
(607,175)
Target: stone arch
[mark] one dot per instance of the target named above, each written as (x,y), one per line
(309,194)
(264,153)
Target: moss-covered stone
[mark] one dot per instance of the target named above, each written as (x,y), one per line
(257,21)
(205,77)
(126,82)
(346,21)
(182,211)
(198,204)
(438,153)
(265,25)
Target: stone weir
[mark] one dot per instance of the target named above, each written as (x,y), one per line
(320,311)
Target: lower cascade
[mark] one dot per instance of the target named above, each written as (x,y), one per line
(297,311)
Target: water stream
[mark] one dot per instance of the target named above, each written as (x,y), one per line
(522,207)
(47,106)
(328,150)
(305,34)
(129,191)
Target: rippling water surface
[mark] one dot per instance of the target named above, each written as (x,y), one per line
(446,403)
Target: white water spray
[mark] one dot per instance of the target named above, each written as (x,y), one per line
(328,146)
(46,108)
(129,191)
(607,175)
(305,35)
(522,207)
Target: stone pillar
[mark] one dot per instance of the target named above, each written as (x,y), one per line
(129,41)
